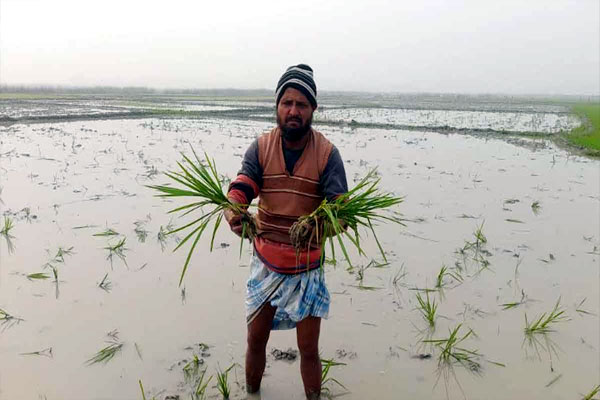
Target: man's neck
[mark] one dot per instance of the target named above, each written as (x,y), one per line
(297,144)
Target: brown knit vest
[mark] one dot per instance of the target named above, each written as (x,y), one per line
(284,197)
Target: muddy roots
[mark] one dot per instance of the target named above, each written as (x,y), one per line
(303,234)
(250,230)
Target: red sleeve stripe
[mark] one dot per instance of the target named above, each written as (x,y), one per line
(237,196)
(247,180)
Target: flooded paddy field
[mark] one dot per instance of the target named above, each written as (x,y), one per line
(86,264)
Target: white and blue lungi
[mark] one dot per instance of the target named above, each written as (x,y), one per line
(294,297)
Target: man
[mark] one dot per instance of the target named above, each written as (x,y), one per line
(291,169)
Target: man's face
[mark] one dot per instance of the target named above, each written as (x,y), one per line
(294,114)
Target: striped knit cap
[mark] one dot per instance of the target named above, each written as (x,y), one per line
(299,77)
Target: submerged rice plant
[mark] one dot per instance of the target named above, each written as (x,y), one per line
(61,253)
(37,275)
(359,207)
(107,232)
(105,284)
(536,207)
(545,322)
(200,385)
(47,352)
(7,226)
(106,353)
(326,365)
(451,353)
(7,320)
(140,231)
(222,382)
(118,250)
(201,180)
(5,232)
(439,280)
(427,308)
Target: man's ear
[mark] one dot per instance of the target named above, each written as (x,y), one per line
(315,108)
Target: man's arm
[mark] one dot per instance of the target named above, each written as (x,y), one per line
(245,187)
(333,180)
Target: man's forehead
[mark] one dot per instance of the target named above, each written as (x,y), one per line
(294,94)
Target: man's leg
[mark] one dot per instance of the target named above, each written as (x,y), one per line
(258,336)
(307,332)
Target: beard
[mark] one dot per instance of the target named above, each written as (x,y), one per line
(294,134)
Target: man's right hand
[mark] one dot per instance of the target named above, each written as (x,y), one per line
(235,221)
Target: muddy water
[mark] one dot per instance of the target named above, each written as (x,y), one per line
(79,178)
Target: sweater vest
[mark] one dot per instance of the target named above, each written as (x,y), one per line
(284,197)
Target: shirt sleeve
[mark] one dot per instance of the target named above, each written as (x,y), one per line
(333,180)
(249,179)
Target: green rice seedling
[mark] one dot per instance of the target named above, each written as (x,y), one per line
(201,180)
(222,382)
(118,250)
(444,271)
(451,353)
(105,284)
(480,238)
(359,207)
(43,353)
(508,306)
(536,207)
(38,275)
(7,227)
(61,253)
(143,393)
(544,323)
(326,365)
(590,396)
(107,232)
(399,276)
(199,389)
(191,369)
(105,354)
(7,320)
(427,308)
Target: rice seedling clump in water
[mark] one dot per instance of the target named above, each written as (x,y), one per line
(358,207)
(201,180)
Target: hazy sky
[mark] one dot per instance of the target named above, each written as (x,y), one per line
(483,46)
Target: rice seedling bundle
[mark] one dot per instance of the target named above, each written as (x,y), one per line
(360,207)
(201,181)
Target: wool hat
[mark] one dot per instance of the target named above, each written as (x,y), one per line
(299,77)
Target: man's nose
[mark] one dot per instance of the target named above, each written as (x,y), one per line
(294,110)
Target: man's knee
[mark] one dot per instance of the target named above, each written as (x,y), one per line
(309,347)
(257,341)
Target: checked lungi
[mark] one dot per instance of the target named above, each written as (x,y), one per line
(294,297)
